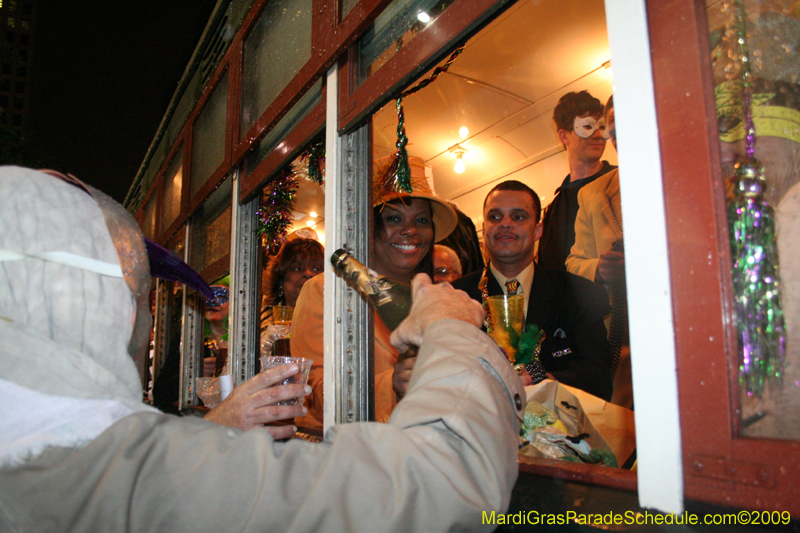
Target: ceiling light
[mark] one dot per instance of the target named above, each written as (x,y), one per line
(310,223)
(463,132)
(313,214)
(423,17)
(460,167)
(459,151)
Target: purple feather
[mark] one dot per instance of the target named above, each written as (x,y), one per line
(164,265)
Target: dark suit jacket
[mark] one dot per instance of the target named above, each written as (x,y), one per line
(570,310)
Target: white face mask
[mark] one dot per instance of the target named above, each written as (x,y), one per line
(586,126)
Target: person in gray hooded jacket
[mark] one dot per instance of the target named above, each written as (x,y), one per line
(86,455)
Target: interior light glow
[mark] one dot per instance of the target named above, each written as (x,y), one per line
(313,214)
(310,223)
(459,167)
(423,17)
(463,132)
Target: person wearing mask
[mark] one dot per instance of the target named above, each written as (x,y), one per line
(581,130)
(598,255)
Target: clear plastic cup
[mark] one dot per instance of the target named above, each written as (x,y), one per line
(301,377)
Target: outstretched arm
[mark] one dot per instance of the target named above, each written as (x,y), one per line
(447,456)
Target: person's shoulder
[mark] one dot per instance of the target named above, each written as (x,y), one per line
(313,289)
(468,283)
(585,293)
(599,185)
(591,297)
(316,282)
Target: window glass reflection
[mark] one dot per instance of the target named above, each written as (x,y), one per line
(398,24)
(346,7)
(208,136)
(149,222)
(278,45)
(278,133)
(770,396)
(173,183)
(211,229)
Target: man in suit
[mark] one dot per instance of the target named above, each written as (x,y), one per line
(568,308)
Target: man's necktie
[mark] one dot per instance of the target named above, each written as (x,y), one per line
(512,286)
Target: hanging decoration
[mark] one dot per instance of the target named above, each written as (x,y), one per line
(756,281)
(278,198)
(275,208)
(310,164)
(398,176)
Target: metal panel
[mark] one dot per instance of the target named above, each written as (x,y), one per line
(161,324)
(191,342)
(356,402)
(349,369)
(244,306)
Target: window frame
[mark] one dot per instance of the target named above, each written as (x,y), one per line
(294,90)
(719,467)
(460,20)
(221,171)
(183,213)
(455,23)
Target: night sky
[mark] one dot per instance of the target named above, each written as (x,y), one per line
(103,75)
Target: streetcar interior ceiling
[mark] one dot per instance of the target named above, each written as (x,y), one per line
(503,89)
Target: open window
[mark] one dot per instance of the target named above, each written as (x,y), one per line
(488,117)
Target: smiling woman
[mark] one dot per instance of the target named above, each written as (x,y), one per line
(405,227)
(403,236)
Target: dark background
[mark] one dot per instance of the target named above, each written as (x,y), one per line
(103,73)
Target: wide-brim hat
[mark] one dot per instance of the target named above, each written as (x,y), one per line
(445,218)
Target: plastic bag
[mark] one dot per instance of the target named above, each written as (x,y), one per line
(208,391)
(272,333)
(608,426)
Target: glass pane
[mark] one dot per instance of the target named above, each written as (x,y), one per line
(178,242)
(208,136)
(173,182)
(211,228)
(770,396)
(346,7)
(301,109)
(288,266)
(400,22)
(278,45)
(167,383)
(490,119)
(149,222)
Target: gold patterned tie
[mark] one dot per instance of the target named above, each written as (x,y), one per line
(512,286)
